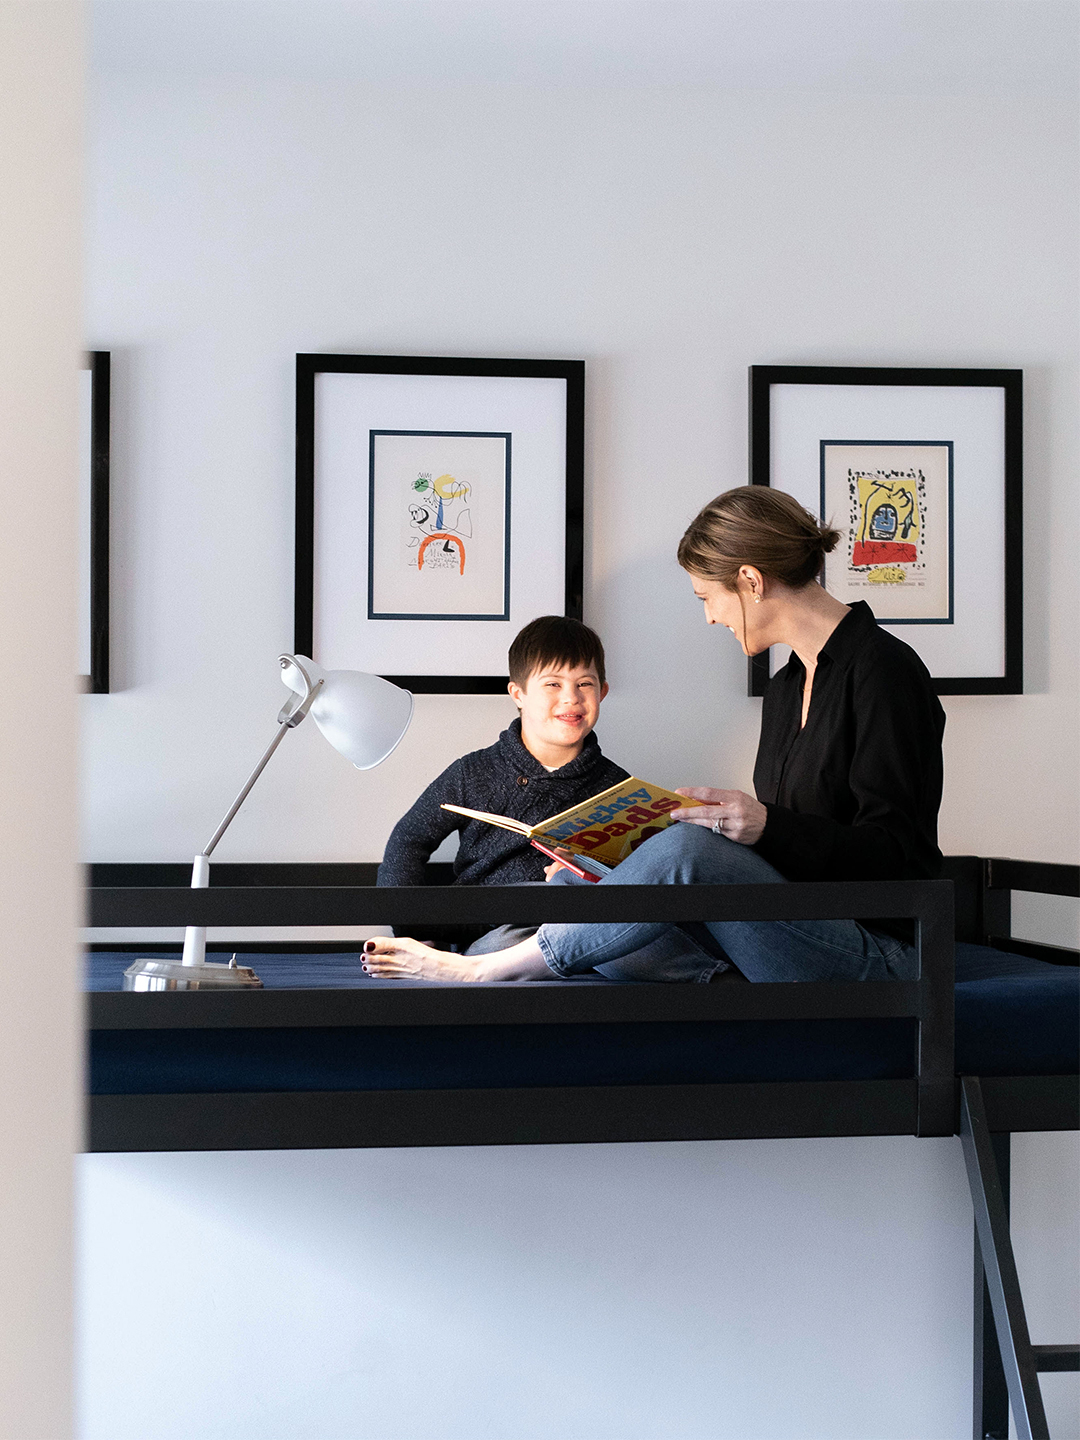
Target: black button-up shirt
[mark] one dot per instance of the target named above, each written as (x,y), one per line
(854,794)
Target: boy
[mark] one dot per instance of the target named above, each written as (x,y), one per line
(547,761)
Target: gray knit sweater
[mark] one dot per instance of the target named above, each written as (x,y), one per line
(504,779)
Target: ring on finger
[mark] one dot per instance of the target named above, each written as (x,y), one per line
(718,825)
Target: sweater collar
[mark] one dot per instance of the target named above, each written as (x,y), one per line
(527,764)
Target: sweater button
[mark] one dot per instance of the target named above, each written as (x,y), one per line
(523,779)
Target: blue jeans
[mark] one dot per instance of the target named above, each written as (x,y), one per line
(681,953)
(761,949)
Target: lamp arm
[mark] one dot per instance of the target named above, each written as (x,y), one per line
(288,719)
(289,716)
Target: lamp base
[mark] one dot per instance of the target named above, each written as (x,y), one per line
(153,973)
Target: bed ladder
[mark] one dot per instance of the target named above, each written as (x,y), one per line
(1007,1365)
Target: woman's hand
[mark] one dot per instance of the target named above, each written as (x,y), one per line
(738,816)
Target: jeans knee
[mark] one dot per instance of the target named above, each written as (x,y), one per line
(678,853)
(687,841)
(691,854)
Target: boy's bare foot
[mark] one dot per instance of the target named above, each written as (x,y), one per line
(399,958)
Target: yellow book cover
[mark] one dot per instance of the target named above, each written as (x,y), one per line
(608,827)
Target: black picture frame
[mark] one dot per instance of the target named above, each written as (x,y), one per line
(310,365)
(762,379)
(99,363)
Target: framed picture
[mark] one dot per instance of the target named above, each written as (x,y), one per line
(921,472)
(94,522)
(439,508)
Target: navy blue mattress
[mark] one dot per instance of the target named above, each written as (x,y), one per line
(1014,1016)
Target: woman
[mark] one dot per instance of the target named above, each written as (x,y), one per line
(848,779)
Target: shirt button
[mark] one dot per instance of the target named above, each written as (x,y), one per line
(523,779)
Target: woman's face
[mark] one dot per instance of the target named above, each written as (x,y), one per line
(733,608)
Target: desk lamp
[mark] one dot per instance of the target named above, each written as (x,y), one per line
(364,717)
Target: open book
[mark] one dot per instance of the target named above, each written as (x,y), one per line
(607,827)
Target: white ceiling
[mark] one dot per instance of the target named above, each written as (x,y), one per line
(869,46)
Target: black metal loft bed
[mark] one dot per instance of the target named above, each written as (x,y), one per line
(601,1079)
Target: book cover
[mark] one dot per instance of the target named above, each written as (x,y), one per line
(608,827)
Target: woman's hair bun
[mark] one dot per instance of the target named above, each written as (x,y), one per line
(828,539)
(757,525)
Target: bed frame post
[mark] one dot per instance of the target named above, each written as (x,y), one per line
(995,908)
(937,1084)
(990,1409)
(995,1247)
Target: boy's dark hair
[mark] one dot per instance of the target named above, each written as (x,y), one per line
(554,640)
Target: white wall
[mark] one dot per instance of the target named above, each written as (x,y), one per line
(671,235)
(669,238)
(41,99)
(795,1290)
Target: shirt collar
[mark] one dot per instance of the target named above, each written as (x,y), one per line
(845,641)
(850,635)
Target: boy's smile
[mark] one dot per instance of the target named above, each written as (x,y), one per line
(559,706)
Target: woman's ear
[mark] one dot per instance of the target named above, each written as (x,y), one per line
(752,582)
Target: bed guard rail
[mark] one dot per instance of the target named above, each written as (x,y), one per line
(928,999)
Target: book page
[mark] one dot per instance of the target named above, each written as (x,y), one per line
(502,820)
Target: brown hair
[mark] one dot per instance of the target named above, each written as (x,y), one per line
(756,525)
(554,640)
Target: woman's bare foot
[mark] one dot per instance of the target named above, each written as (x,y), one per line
(399,958)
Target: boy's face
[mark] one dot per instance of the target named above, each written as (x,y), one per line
(559,706)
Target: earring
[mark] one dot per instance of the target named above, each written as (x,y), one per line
(757,599)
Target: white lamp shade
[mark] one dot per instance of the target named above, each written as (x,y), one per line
(363,716)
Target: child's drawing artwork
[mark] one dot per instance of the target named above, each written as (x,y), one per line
(439,525)
(892,503)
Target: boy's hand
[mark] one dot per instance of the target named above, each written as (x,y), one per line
(550,871)
(730,812)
